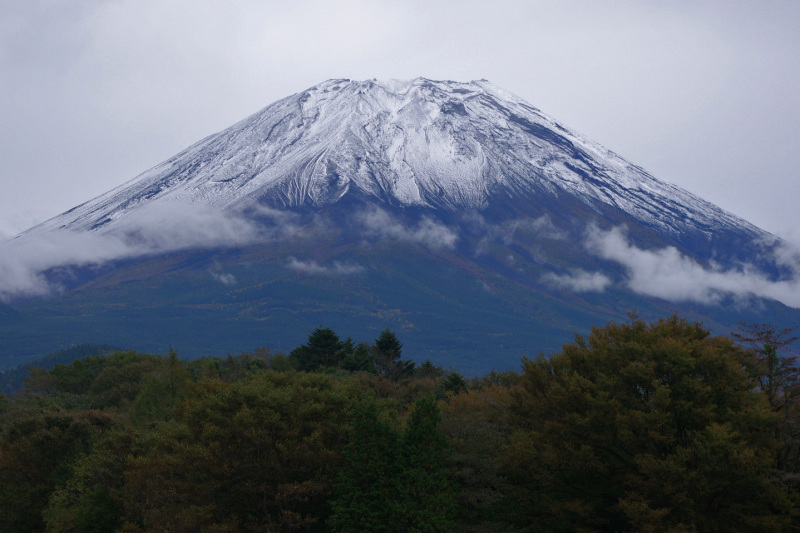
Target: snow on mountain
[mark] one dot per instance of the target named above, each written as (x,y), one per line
(432,144)
(427,206)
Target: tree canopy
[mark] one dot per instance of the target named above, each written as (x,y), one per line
(635,427)
(640,427)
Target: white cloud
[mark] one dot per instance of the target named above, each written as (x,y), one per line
(666,273)
(428,232)
(315,269)
(508,232)
(168,225)
(541,227)
(579,280)
(788,255)
(24,260)
(156,228)
(485,286)
(225,278)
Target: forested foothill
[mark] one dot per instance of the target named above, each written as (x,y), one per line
(637,426)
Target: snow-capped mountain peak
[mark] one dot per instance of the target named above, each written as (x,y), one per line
(432,144)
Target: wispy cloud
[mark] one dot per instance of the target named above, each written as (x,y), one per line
(511,231)
(427,232)
(505,231)
(164,226)
(666,273)
(542,227)
(315,269)
(578,280)
(24,260)
(157,228)
(226,278)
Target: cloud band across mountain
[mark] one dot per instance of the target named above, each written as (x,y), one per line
(668,274)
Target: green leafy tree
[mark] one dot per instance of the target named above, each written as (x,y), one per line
(74,378)
(282,363)
(477,428)
(37,450)
(778,374)
(92,499)
(120,381)
(260,454)
(644,427)
(174,371)
(13,380)
(778,377)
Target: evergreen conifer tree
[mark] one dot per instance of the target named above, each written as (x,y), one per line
(365,488)
(426,501)
(392,482)
(323,349)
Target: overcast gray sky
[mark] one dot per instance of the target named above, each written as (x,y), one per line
(702,94)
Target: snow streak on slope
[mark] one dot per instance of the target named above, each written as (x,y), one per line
(433,144)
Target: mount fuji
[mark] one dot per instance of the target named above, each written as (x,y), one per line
(472,224)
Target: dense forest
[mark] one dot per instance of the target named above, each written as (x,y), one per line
(635,427)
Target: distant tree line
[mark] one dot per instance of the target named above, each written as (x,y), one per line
(13,379)
(635,427)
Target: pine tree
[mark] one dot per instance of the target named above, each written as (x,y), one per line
(323,349)
(392,482)
(425,499)
(388,350)
(454,382)
(388,345)
(360,359)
